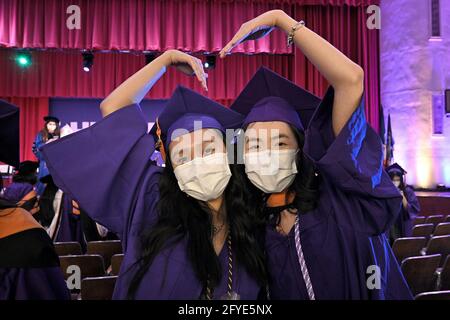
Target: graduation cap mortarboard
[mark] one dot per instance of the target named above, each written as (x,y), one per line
(271,97)
(187,106)
(51,119)
(396,168)
(9,133)
(27,167)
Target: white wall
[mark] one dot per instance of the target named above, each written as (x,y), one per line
(412,70)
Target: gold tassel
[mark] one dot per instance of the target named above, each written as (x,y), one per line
(159,144)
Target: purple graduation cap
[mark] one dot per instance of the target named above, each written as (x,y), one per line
(396,169)
(16,192)
(9,133)
(271,97)
(186,107)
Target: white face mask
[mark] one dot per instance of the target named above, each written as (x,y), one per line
(204,178)
(396,183)
(271,171)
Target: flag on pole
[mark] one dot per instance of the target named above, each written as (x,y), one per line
(389,155)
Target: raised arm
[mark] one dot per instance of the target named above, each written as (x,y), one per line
(134,89)
(345,76)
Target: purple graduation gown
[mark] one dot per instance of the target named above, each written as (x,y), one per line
(405,220)
(33,284)
(344,235)
(107,169)
(69,225)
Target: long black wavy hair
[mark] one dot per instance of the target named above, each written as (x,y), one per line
(305,186)
(181,216)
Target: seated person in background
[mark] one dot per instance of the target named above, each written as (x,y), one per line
(410,205)
(60,214)
(46,208)
(29,266)
(22,191)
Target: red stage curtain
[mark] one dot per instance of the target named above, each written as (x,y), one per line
(46,78)
(60,74)
(158,25)
(32,111)
(345,28)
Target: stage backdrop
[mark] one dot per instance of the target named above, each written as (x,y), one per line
(77,113)
(82,113)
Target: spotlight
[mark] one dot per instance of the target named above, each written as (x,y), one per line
(88,61)
(210,62)
(149,57)
(23,59)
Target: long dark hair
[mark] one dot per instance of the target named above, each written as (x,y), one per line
(182,216)
(46,210)
(305,186)
(307,181)
(46,135)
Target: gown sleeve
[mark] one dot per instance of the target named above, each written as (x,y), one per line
(413,207)
(38,143)
(101,167)
(351,162)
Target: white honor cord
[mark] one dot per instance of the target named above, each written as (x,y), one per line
(302,262)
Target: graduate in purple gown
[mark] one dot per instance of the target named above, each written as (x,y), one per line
(60,214)
(323,190)
(69,227)
(29,266)
(410,205)
(185,229)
